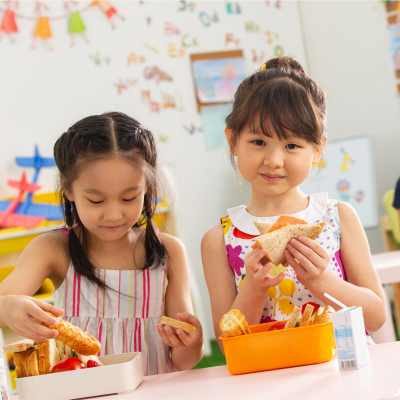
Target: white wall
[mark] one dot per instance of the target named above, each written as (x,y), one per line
(346,46)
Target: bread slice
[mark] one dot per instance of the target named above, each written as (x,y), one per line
(61,349)
(48,354)
(276,242)
(325,315)
(18,347)
(305,319)
(19,365)
(24,359)
(32,363)
(234,323)
(262,227)
(294,318)
(177,324)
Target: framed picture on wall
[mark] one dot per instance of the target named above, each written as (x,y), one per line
(216,76)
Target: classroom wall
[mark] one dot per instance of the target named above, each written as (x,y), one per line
(346,46)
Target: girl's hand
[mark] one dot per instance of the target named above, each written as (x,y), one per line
(19,313)
(181,339)
(312,260)
(257,271)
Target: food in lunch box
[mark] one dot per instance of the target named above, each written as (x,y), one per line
(323,315)
(68,364)
(82,342)
(234,323)
(276,238)
(174,323)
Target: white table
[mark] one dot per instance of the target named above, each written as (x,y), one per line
(378,380)
(387,266)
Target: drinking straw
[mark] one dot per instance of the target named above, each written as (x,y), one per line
(335,301)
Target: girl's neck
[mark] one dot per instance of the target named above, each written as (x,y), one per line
(290,202)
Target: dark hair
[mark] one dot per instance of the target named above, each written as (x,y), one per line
(284,97)
(98,137)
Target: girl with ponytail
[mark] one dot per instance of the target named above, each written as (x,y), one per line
(115,275)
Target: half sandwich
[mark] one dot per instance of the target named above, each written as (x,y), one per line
(278,235)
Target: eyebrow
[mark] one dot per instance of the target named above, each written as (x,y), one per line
(129,189)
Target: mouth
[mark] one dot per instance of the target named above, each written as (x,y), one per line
(112,228)
(272,178)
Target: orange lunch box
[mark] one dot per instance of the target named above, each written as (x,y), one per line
(263,350)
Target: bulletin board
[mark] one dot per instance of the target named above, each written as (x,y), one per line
(347,173)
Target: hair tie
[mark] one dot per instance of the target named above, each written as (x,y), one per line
(138,129)
(263,67)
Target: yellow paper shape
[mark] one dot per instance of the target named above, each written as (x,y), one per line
(276,270)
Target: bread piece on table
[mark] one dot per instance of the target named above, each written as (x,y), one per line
(324,316)
(294,318)
(305,319)
(82,342)
(174,323)
(234,323)
(32,363)
(262,227)
(18,347)
(275,243)
(48,354)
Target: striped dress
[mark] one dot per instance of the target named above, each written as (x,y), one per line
(124,319)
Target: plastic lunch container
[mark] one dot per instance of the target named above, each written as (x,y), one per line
(263,350)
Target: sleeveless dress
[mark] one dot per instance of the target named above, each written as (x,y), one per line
(239,233)
(123,320)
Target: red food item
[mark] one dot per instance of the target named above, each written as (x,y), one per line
(277,326)
(92,363)
(316,306)
(68,364)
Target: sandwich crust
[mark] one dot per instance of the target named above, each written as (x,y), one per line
(174,323)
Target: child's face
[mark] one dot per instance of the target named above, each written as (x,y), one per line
(108,195)
(272,166)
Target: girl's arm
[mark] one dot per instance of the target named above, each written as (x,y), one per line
(362,288)
(17,309)
(221,281)
(187,349)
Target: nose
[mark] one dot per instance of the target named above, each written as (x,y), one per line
(273,158)
(113,213)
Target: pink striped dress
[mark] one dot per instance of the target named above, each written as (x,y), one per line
(123,320)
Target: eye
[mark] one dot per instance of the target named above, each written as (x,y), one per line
(258,142)
(95,202)
(292,146)
(128,200)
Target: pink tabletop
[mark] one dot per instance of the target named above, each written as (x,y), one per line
(388,266)
(378,380)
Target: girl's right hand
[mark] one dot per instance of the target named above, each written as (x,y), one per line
(19,313)
(257,271)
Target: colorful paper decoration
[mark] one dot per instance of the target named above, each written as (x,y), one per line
(185,5)
(42,30)
(75,23)
(10,220)
(207,19)
(151,48)
(108,9)
(157,74)
(8,23)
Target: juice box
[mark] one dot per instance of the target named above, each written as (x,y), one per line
(351,342)
(3,381)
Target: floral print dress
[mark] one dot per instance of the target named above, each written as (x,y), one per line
(239,233)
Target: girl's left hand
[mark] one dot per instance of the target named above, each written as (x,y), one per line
(181,339)
(312,260)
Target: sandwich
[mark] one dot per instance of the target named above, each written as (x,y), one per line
(278,235)
(234,323)
(174,323)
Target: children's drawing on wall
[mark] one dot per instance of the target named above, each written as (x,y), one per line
(124,84)
(156,74)
(216,80)
(99,60)
(346,160)
(8,24)
(343,188)
(75,23)
(394,46)
(109,10)
(186,6)
(191,128)
(359,196)
(42,30)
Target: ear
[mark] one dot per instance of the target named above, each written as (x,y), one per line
(67,193)
(319,149)
(228,135)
